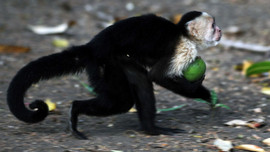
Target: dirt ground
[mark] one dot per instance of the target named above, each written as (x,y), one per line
(121,132)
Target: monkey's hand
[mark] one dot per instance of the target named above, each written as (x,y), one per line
(183,87)
(189,86)
(178,84)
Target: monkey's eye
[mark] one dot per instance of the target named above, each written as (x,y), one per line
(213,25)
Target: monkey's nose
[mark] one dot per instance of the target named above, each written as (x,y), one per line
(218,29)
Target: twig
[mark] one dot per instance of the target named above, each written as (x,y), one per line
(244,46)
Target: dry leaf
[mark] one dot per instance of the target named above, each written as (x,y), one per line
(246,65)
(51,105)
(13,49)
(61,43)
(266,90)
(256,137)
(253,123)
(110,125)
(223,145)
(236,123)
(238,67)
(177,18)
(132,110)
(250,148)
(256,123)
(258,120)
(215,69)
(197,136)
(257,110)
(45,30)
(266,141)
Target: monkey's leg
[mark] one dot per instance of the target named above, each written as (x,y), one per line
(75,110)
(114,97)
(142,91)
(100,106)
(145,105)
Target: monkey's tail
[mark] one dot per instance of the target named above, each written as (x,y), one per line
(72,60)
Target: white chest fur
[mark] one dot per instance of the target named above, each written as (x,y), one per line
(184,54)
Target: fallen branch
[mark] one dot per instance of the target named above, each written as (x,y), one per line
(244,46)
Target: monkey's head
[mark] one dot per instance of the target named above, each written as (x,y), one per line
(201,28)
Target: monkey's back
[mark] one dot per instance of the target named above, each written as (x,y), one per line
(147,36)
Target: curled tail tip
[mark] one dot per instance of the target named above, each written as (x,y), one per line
(41,111)
(35,112)
(38,104)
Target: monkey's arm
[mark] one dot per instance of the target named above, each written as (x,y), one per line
(178,85)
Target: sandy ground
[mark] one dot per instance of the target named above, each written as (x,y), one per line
(120,132)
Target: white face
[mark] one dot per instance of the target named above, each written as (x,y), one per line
(204,31)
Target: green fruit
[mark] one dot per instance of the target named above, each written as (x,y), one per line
(195,70)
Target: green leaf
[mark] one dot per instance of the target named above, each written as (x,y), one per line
(90,89)
(222,105)
(258,68)
(214,97)
(171,109)
(201,101)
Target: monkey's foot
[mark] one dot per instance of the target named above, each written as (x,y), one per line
(163,131)
(78,135)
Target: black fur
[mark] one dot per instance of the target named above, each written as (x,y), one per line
(186,18)
(69,61)
(116,61)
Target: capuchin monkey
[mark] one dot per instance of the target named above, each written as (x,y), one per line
(122,61)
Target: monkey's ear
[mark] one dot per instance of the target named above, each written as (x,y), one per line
(190,27)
